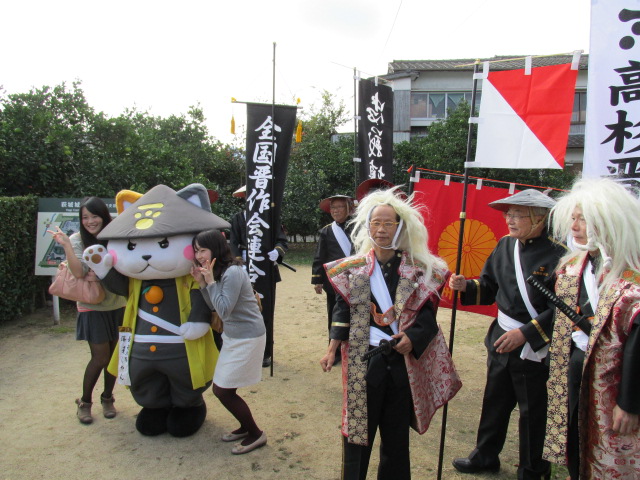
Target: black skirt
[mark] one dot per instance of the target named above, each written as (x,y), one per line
(99,327)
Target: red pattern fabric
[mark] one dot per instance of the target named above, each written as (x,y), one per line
(484,226)
(605,454)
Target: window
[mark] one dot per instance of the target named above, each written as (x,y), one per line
(435,105)
(579,114)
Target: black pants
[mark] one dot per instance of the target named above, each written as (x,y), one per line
(512,381)
(331,302)
(268,312)
(389,409)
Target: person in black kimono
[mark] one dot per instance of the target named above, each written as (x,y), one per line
(238,244)
(334,243)
(517,341)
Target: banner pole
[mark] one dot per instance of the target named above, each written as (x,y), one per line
(463,215)
(356,165)
(273,219)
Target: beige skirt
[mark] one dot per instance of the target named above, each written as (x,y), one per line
(240,362)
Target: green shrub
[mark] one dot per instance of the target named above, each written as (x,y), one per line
(17,250)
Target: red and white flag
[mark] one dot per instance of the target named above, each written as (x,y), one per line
(525,117)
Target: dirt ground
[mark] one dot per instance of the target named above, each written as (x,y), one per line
(41,369)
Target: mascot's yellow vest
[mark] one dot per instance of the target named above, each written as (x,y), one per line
(201,353)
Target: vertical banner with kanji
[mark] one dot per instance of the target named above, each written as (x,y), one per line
(268,147)
(612,135)
(483,227)
(375,131)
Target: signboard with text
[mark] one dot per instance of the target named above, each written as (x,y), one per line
(65,214)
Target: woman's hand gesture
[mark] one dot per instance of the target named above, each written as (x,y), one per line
(60,237)
(207,271)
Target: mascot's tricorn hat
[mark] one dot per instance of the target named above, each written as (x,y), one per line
(162,212)
(525,198)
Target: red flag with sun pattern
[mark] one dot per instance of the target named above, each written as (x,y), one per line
(483,227)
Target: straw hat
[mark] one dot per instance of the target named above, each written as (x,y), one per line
(241,192)
(525,198)
(325,205)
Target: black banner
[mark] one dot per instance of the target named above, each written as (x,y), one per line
(375,131)
(268,147)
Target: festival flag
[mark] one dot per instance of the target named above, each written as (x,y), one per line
(268,147)
(612,136)
(525,117)
(375,131)
(483,227)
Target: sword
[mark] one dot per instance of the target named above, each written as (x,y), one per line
(578,320)
(385,348)
(285,264)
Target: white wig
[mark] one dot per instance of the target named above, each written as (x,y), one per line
(612,216)
(413,236)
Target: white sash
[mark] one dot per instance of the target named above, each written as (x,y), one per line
(342,239)
(158,322)
(527,351)
(158,339)
(507,323)
(375,335)
(580,338)
(380,292)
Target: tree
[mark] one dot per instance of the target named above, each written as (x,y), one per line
(318,167)
(43,140)
(53,144)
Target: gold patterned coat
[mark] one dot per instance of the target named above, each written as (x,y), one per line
(432,377)
(604,454)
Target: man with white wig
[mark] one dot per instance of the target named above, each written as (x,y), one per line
(594,392)
(388,292)
(517,340)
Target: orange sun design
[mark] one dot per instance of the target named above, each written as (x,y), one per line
(477,244)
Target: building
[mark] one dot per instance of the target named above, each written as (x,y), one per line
(425,90)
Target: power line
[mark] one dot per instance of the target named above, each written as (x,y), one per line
(392,26)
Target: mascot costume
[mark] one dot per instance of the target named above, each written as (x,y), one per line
(166,353)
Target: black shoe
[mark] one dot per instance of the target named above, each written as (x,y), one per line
(266,362)
(466,465)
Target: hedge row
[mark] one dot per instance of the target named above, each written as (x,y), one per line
(18,284)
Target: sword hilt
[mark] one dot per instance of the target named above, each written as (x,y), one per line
(578,320)
(385,347)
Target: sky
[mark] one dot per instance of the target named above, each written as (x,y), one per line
(164,57)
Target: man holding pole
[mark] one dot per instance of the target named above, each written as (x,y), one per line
(517,341)
(238,244)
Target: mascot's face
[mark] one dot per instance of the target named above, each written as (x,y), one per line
(152,258)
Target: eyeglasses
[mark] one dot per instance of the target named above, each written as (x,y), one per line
(387,225)
(513,216)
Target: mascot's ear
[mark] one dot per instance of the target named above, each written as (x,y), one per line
(125,198)
(196,194)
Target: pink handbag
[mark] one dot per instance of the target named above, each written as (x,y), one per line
(86,290)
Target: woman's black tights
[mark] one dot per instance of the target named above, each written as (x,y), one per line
(240,410)
(100,357)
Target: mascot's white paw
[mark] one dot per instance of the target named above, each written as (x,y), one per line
(98,259)
(193,330)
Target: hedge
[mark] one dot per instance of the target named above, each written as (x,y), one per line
(18,284)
